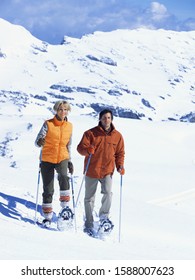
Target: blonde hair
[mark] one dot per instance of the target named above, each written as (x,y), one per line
(59,103)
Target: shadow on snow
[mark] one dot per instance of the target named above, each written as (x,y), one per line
(9,209)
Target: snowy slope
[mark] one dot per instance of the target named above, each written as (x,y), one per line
(118,69)
(158,196)
(145,74)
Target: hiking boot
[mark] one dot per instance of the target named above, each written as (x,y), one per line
(90,231)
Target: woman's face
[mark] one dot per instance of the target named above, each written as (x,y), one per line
(62,111)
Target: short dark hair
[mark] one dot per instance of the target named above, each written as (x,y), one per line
(105,111)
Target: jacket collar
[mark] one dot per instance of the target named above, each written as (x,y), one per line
(102,128)
(57,121)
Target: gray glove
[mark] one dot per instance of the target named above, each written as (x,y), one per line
(41,142)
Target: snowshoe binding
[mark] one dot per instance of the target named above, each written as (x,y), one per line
(65,218)
(105,226)
(91,232)
(46,223)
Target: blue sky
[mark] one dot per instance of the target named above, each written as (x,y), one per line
(50,20)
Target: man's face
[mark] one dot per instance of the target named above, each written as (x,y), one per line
(106,120)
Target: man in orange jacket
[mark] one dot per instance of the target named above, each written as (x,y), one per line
(105,147)
(55,138)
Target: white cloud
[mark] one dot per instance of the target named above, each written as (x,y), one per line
(50,20)
(158,11)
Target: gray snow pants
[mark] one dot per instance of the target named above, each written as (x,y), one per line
(89,200)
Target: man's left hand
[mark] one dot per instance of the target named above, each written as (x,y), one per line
(121,170)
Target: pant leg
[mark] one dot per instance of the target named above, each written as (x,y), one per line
(89,200)
(106,190)
(47,172)
(63,179)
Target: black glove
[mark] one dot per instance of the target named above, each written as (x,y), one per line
(70,167)
(41,142)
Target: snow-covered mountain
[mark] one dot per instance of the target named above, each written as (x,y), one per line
(142,74)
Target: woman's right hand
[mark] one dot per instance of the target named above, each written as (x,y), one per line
(41,142)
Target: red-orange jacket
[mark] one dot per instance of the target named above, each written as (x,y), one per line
(109,151)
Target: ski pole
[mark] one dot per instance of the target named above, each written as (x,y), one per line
(73,201)
(36,208)
(38,183)
(87,166)
(120,209)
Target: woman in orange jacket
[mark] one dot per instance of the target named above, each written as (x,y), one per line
(105,147)
(55,138)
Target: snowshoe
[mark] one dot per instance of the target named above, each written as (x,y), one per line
(65,218)
(105,226)
(46,223)
(91,232)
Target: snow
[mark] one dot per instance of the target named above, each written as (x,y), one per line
(154,65)
(158,192)
(157,196)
